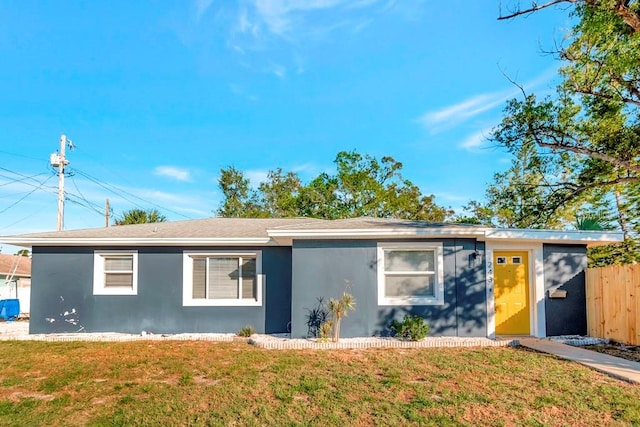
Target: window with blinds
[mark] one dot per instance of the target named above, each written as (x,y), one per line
(115,273)
(224,278)
(118,271)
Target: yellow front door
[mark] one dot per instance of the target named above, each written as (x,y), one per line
(511,275)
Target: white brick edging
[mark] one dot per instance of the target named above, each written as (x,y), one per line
(276,343)
(19,331)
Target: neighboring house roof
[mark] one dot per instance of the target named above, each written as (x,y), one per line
(281,231)
(9,262)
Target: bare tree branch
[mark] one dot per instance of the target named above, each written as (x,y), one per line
(534,7)
(621,8)
(590,153)
(620,97)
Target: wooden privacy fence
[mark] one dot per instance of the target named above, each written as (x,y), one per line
(613,302)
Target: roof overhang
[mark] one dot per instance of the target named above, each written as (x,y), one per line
(589,238)
(285,237)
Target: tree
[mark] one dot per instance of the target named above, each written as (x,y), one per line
(279,193)
(593,118)
(519,197)
(140,216)
(361,186)
(238,200)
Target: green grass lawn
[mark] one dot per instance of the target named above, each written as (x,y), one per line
(204,383)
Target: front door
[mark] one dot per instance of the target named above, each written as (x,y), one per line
(511,276)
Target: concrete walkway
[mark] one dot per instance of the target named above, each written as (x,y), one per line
(616,367)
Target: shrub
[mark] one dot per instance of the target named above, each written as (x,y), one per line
(412,328)
(246,332)
(316,318)
(325,330)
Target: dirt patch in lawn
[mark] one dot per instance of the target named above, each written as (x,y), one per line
(629,352)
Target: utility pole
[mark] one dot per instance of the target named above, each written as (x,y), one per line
(59,160)
(106,213)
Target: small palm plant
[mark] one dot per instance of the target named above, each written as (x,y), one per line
(589,222)
(339,308)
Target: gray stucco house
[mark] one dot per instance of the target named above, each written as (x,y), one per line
(220,274)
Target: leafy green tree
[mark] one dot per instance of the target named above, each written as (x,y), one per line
(519,197)
(278,194)
(239,198)
(140,216)
(594,117)
(361,186)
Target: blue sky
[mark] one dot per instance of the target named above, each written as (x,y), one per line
(157,96)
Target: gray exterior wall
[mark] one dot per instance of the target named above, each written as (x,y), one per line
(564,267)
(321,267)
(62,297)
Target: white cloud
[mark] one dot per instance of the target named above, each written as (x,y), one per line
(476,140)
(450,115)
(464,110)
(291,20)
(278,15)
(179,174)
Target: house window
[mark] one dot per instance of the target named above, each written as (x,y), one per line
(501,260)
(410,274)
(222,279)
(115,273)
(516,260)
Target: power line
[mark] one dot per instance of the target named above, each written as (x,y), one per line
(81,196)
(106,187)
(27,195)
(24,218)
(13,180)
(87,204)
(20,174)
(20,155)
(114,190)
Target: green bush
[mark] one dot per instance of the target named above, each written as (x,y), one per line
(412,328)
(325,330)
(246,332)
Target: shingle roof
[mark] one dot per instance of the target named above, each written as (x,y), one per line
(9,262)
(197,228)
(281,231)
(369,223)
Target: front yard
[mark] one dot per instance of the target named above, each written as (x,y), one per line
(206,383)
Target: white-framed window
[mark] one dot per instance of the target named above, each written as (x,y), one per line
(410,274)
(222,278)
(115,273)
